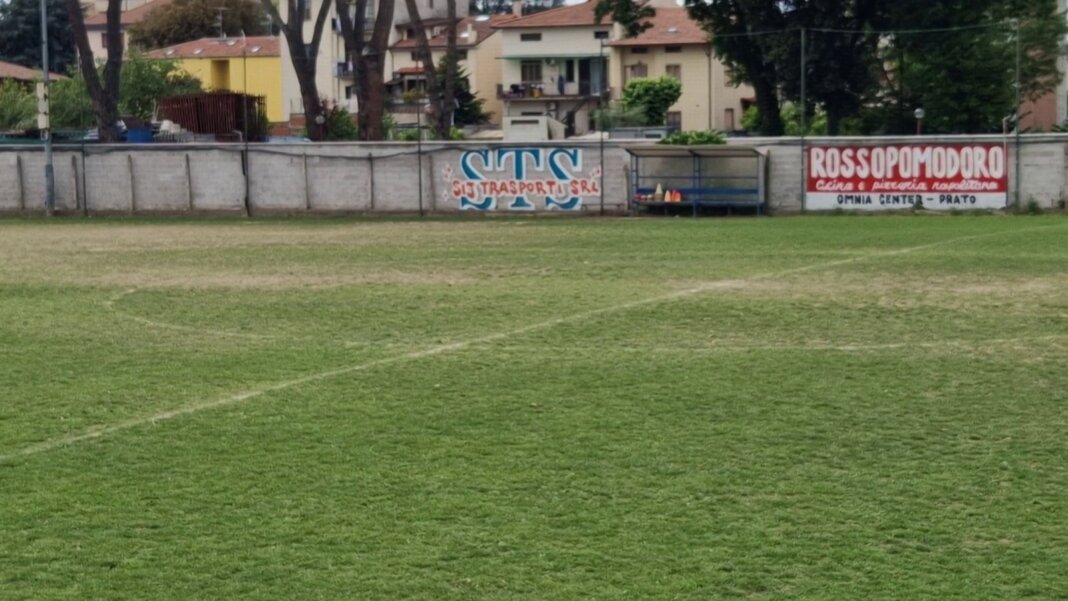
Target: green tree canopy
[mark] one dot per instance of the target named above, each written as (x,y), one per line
(144,81)
(964,77)
(469,109)
(871,62)
(20,34)
(17,106)
(652,96)
(186,20)
(141,83)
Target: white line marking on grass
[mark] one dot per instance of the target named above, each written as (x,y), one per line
(111,302)
(97,432)
(716,347)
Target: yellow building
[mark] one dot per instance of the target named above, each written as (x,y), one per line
(250,65)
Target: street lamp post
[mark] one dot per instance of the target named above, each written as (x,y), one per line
(44,122)
(919,114)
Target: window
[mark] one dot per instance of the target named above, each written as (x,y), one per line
(673,119)
(600,35)
(530,71)
(672,49)
(350,91)
(530,37)
(674,71)
(569,71)
(104,40)
(633,71)
(307,10)
(461,55)
(416,57)
(728,119)
(639,50)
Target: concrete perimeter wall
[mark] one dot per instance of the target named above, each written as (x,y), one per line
(401,177)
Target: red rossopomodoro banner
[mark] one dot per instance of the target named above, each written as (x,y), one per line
(899,176)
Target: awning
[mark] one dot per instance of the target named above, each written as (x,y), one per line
(704,150)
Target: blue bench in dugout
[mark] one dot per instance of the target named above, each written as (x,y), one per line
(718,177)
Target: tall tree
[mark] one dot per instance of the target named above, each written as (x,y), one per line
(303,56)
(442,93)
(742,39)
(187,20)
(103,95)
(840,56)
(20,34)
(368,57)
(963,76)
(631,15)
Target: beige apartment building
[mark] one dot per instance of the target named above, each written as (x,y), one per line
(676,46)
(333,74)
(133,11)
(562,65)
(479,47)
(554,64)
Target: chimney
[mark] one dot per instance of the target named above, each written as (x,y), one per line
(470,36)
(517,8)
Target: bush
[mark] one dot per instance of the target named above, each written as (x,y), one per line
(615,115)
(144,81)
(693,138)
(652,96)
(340,126)
(18,106)
(71,108)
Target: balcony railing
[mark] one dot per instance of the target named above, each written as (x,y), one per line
(534,91)
(343,70)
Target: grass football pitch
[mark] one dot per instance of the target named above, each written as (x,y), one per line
(790,408)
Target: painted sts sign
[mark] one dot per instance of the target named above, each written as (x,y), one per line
(521,179)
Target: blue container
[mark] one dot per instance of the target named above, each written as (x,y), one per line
(139,135)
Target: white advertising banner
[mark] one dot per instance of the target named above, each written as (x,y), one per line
(902,176)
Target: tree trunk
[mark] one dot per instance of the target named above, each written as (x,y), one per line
(452,61)
(372,105)
(767,99)
(368,63)
(103,98)
(434,94)
(834,120)
(303,56)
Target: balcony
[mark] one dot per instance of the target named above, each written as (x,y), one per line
(343,70)
(542,92)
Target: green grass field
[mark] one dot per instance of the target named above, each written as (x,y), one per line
(789,408)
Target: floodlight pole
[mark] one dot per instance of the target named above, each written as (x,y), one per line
(46,132)
(1016,25)
(600,106)
(804,123)
(419,151)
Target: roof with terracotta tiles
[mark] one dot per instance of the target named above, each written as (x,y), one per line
(482,29)
(670,27)
(250,47)
(20,73)
(129,17)
(577,15)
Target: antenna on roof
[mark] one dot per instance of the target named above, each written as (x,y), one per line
(219,22)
